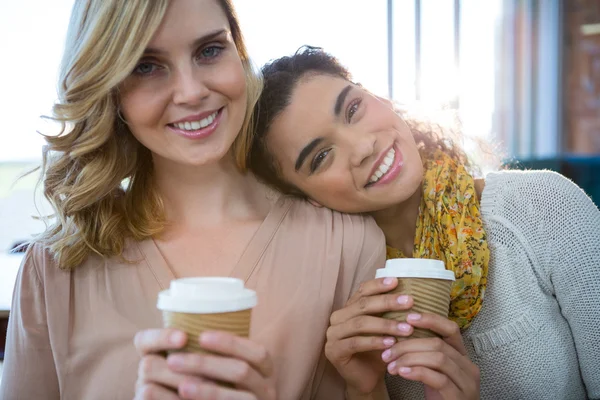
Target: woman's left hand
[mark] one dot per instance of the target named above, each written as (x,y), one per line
(440,363)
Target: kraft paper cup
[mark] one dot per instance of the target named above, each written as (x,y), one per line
(427,281)
(195,305)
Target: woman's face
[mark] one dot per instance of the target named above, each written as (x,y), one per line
(345,148)
(186,98)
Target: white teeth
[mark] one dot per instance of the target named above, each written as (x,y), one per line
(195,125)
(384,166)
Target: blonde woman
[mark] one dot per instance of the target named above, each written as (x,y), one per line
(147,185)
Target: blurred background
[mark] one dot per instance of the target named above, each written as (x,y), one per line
(523,74)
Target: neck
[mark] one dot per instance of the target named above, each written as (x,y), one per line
(399,223)
(210,194)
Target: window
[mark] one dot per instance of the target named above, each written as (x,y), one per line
(354,31)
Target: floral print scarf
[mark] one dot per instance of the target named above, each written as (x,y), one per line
(449,228)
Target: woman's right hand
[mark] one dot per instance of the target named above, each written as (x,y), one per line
(356,337)
(235,360)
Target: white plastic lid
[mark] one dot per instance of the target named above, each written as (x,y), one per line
(206,296)
(414,268)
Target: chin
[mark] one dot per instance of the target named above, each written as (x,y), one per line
(208,155)
(405,188)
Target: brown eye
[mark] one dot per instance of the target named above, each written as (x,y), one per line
(318,160)
(353,109)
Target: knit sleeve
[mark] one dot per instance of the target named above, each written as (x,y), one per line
(571,256)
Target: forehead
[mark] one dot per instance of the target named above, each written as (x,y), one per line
(188,20)
(308,116)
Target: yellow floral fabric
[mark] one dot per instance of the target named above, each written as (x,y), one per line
(449,228)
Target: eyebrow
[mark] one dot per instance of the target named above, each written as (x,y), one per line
(339,102)
(306,151)
(206,38)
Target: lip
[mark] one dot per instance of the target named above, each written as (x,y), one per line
(199,133)
(196,117)
(392,172)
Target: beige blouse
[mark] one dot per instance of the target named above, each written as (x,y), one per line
(70,334)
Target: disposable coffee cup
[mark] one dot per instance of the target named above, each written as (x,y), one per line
(195,305)
(427,281)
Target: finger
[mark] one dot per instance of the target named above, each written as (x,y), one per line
(435,380)
(435,361)
(151,391)
(372,287)
(238,347)
(368,325)
(153,369)
(372,305)
(197,389)
(218,368)
(158,340)
(435,345)
(448,330)
(346,348)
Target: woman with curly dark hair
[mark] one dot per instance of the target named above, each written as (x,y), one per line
(524,246)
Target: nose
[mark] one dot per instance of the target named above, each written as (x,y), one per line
(362,146)
(190,87)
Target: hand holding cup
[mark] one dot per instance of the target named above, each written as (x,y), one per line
(357,334)
(207,322)
(435,354)
(440,362)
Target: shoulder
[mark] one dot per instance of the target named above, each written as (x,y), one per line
(38,261)
(532,191)
(546,212)
(354,229)
(32,276)
(357,239)
(542,219)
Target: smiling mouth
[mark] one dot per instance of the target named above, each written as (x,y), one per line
(384,167)
(196,125)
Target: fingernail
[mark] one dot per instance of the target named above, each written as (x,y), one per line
(403,299)
(188,389)
(388,281)
(413,317)
(176,338)
(386,355)
(391,367)
(388,341)
(208,337)
(175,361)
(404,370)
(404,327)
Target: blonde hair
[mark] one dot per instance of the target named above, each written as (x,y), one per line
(84,167)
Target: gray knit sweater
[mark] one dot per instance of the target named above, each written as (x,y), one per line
(537,335)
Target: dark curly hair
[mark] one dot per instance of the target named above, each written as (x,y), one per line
(280,79)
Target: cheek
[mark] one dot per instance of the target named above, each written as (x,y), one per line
(142,108)
(331,188)
(230,80)
(379,118)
